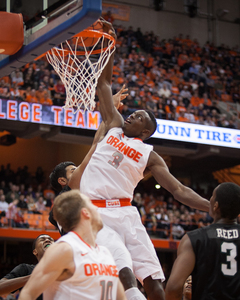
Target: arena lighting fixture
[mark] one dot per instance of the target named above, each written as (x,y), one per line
(157,186)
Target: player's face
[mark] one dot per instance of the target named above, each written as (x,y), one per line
(187,289)
(69,170)
(136,123)
(42,243)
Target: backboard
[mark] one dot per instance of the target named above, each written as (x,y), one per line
(47,23)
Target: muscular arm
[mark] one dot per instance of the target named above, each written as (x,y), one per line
(182,268)
(183,194)
(111,117)
(56,259)
(8,286)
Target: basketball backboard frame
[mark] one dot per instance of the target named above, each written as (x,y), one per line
(62,28)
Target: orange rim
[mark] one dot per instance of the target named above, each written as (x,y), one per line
(83,34)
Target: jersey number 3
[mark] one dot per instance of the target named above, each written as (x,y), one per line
(230,258)
(118,157)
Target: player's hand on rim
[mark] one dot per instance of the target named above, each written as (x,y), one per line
(108,27)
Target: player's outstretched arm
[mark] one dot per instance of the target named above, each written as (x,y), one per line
(75,179)
(56,259)
(110,115)
(182,268)
(8,286)
(183,194)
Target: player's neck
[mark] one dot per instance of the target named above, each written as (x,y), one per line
(225,221)
(86,235)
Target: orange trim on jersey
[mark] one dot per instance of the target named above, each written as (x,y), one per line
(138,139)
(82,239)
(113,203)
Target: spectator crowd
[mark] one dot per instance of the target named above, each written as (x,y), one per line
(176,79)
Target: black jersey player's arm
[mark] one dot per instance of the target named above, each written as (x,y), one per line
(75,179)
(110,114)
(182,268)
(183,194)
(8,286)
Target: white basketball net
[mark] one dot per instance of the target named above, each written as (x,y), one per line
(79,74)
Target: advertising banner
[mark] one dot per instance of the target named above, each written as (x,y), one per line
(169,130)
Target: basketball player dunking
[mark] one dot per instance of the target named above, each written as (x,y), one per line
(117,165)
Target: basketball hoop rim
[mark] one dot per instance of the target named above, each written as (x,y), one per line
(85,33)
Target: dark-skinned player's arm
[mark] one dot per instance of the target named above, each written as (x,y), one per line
(8,286)
(183,194)
(75,179)
(182,268)
(110,115)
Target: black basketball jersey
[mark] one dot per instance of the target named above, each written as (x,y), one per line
(216,275)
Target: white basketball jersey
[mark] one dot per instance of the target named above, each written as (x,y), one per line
(116,166)
(95,276)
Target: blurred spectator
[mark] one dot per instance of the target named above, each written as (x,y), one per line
(189,114)
(40,93)
(39,175)
(152,106)
(17,78)
(223,122)
(205,220)
(45,100)
(31,204)
(22,204)
(182,117)
(186,95)
(177,230)
(108,16)
(3,206)
(12,194)
(236,95)
(151,222)
(4,90)
(138,202)
(164,91)
(40,205)
(14,92)
(31,98)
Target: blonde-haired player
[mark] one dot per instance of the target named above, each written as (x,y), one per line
(75,267)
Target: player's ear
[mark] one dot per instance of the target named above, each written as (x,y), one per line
(35,252)
(146,132)
(215,206)
(62,180)
(85,212)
